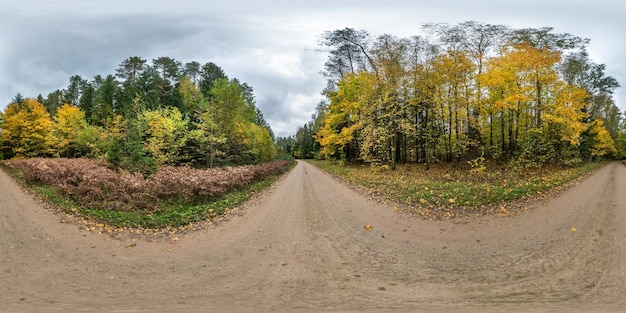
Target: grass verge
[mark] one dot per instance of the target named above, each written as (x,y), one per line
(449,190)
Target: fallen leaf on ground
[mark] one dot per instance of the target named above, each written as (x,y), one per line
(367,227)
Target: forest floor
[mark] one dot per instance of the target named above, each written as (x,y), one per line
(314,243)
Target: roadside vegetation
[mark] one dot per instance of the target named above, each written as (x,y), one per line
(462,119)
(156,145)
(457,93)
(146,116)
(456,190)
(467,118)
(172,197)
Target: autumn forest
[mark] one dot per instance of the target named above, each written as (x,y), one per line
(463,92)
(145,116)
(166,143)
(456,93)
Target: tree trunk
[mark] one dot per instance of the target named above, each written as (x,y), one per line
(490,128)
(539,104)
(502,130)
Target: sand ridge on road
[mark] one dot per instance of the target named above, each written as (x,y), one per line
(303,245)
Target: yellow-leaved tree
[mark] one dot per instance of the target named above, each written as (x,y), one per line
(26,130)
(566,116)
(521,82)
(342,121)
(453,77)
(69,122)
(167,133)
(259,143)
(603,144)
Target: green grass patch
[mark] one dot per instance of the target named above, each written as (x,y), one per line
(455,186)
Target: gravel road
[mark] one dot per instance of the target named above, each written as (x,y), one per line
(303,245)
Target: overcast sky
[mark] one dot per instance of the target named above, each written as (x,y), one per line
(268,44)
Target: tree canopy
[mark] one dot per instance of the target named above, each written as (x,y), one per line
(161,113)
(464,91)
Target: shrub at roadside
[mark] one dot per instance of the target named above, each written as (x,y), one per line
(182,183)
(94,186)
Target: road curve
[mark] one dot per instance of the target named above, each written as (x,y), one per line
(303,245)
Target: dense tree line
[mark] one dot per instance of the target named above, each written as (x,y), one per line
(462,92)
(146,115)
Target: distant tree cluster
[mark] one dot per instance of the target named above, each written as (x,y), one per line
(147,115)
(461,92)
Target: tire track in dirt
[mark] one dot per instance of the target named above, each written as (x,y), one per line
(302,244)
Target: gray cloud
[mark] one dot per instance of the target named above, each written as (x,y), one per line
(262,43)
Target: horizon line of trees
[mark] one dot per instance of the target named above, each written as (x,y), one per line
(462,92)
(144,116)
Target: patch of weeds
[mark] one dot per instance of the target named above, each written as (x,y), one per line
(170,211)
(173,214)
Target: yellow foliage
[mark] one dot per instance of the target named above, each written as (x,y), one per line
(342,121)
(259,142)
(514,76)
(567,112)
(26,130)
(166,132)
(69,122)
(115,127)
(603,144)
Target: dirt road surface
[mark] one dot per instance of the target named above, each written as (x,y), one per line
(303,245)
